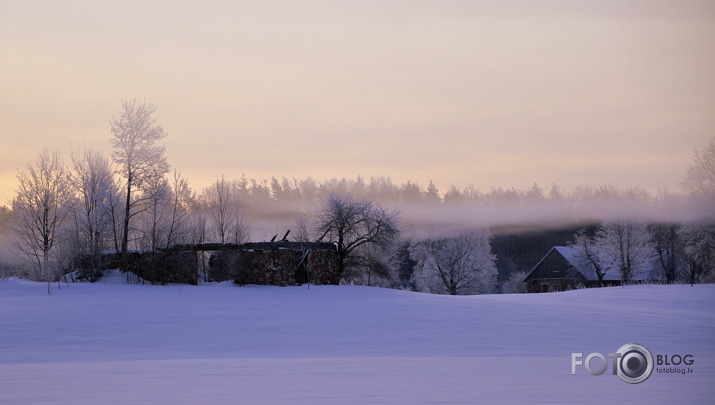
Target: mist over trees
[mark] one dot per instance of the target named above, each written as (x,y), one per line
(387,234)
(222,200)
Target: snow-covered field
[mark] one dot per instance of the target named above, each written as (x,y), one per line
(127,344)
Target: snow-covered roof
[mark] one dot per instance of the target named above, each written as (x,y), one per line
(574,257)
(579,262)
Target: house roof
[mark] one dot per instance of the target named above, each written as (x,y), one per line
(583,266)
(579,263)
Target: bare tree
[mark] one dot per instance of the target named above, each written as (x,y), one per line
(154,218)
(116,216)
(356,227)
(301,234)
(163,221)
(197,224)
(587,252)
(626,246)
(700,178)
(180,209)
(229,225)
(92,181)
(455,264)
(40,205)
(134,136)
(91,178)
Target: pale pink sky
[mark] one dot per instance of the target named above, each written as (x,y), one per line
(458,92)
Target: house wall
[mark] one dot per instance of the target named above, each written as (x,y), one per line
(554,273)
(549,285)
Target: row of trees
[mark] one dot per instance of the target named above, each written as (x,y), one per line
(308,191)
(664,251)
(134,201)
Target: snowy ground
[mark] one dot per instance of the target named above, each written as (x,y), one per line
(115,343)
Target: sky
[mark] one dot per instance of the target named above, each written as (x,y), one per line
(458,92)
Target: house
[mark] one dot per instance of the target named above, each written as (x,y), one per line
(564,268)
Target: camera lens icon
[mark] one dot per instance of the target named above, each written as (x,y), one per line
(635,364)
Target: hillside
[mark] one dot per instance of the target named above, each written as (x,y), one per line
(115,343)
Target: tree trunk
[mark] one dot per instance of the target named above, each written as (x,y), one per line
(125,231)
(45,270)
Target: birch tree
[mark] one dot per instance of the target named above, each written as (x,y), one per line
(135,134)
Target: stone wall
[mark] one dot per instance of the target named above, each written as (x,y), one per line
(281,264)
(163,268)
(155,267)
(323,267)
(279,267)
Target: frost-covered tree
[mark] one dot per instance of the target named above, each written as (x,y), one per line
(360,230)
(455,264)
(92,181)
(700,178)
(587,252)
(41,208)
(141,160)
(625,246)
(515,284)
(698,239)
(95,194)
